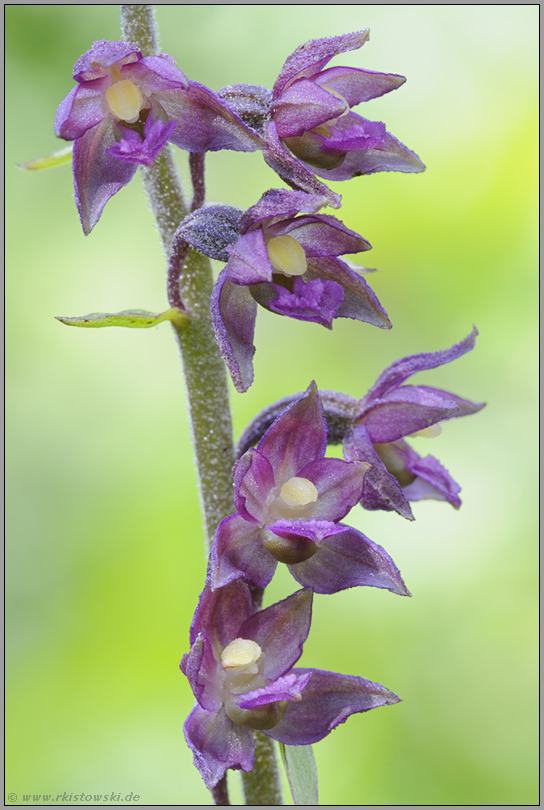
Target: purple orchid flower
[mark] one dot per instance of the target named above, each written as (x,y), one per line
(374,428)
(240,668)
(288,264)
(289,500)
(124,110)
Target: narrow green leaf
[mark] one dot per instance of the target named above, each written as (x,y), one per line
(301,772)
(131,318)
(58,158)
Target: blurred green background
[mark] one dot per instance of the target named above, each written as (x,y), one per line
(104,551)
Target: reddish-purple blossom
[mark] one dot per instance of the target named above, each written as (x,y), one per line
(241,670)
(290,500)
(123,111)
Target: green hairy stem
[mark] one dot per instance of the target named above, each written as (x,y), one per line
(190,284)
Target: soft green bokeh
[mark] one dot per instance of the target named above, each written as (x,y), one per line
(105,552)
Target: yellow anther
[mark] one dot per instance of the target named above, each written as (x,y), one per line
(241,653)
(125,100)
(428,432)
(287,255)
(298,492)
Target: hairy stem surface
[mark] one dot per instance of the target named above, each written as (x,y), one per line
(190,283)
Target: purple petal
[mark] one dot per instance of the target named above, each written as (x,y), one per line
(95,62)
(134,150)
(339,485)
(400,370)
(314,300)
(81,110)
(362,135)
(327,700)
(380,489)
(280,631)
(287,688)
(97,175)
(321,235)
(204,673)
(345,560)
(406,410)
(298,436)
(304,105)
(217,744)
(310,58)
(360,301)
(220,614)
(279,205)
(158,72)
(205,122)
(356,85)
(464,406)
(233,313)
(292,171)
(253,480)
(433,481)
(238,553)
(249,262)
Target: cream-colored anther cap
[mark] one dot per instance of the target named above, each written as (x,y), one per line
(428,432)
(298,492)
(240,653)
(287,255)
(125,100)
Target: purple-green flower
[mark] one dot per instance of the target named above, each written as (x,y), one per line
(286,260)
(240,668)
(290,500)
(124,110)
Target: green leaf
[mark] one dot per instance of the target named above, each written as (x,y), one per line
(301,772)
(58,158)
(131,318)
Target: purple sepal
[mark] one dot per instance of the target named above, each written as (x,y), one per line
(328,699)
(218,744)
(280,631)
(287,688)
(432,480)
(95,62)
(360,301)
(220,614)
(347,559)
(406,410)
(132,149)
(298,436)
(211,229)
(314,300)
(380,489)
(233,313)
(238,553)
(357,85)
(401,370)
(205,122)
(321,235)
(97,175)
(310,58)
(280,204)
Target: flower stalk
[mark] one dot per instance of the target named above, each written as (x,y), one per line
(203,366)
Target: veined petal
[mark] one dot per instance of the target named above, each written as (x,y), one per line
(360,301)
(220,614)
(298,436)
(280,631)
(339,484)
(238,553)
(356,85)
(218,744)
(253,480)
(233,313)
(97,175)
(406,410)
(432,481)
(304,105)
(287,688)
(328,699)
(347,559)
(400,370)
(321,235)
(205,122)
(249,262)
(200,665)
(380,489)
(95,62)
(81,110)
(158,73)
(310,58)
